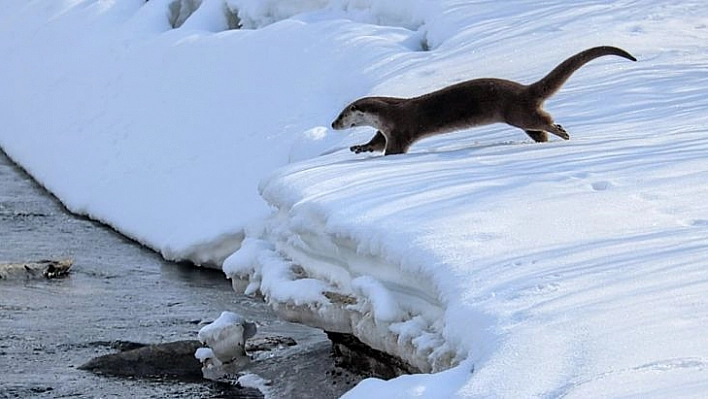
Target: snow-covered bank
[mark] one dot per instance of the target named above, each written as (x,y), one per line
(591,273)
(164,133)
(563,269)
(568,269)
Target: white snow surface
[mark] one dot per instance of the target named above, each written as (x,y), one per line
(507,268)
(226,337)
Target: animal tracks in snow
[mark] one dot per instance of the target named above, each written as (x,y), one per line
(592,181)
(601,185)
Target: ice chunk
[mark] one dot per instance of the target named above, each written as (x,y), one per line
(226,337)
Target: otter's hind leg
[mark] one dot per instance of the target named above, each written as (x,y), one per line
(558,131)
(377,143)
(538,136)
(540,120)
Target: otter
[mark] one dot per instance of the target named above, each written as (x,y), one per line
(402,121)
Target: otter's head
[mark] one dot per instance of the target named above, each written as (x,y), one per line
(362,112)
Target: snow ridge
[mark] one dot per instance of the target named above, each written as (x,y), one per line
(356,290)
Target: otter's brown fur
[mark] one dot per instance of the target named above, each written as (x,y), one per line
(402,121)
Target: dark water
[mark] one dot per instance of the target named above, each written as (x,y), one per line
(117,290)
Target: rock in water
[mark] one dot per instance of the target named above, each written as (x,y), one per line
(34,270)
(172,359)
(352,354)
(226,337)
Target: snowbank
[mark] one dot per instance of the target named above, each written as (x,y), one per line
(567,269)
(590,274)
(164,133)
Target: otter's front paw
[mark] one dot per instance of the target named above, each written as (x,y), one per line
(361,148)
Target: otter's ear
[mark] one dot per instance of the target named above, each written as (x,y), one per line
(353,108)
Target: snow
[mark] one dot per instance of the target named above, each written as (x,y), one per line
(257,382)
(504,267)
(205,355)
(226,337)
(225,351)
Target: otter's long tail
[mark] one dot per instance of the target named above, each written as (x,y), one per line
(550,83)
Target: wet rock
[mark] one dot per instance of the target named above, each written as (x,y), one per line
(172,360)
(314,365)
(269,343)
(352,354)
(168,360)
(35,270)
(274,359)
(226,338)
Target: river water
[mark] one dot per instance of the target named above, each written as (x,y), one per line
(118,291)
